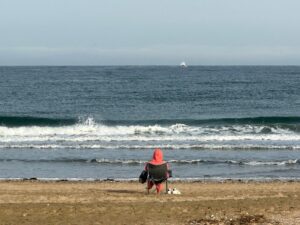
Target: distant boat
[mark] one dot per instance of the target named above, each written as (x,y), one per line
(183,64)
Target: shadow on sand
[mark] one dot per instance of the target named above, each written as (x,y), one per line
(124,191)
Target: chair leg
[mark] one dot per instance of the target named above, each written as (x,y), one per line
(148,189)
(167,186)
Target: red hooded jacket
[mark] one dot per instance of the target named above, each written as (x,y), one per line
(157,157)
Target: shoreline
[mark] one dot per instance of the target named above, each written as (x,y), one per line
(172,180)
(115,202)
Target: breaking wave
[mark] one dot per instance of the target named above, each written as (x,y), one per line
(288,162)
(244,133)
(44,121)
(19,121)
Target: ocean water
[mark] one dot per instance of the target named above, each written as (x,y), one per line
(212,122)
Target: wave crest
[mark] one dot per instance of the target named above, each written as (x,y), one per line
(86,133)
(51,121)
(20,121)
(289,162)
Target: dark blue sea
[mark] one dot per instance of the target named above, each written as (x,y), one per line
(212,122)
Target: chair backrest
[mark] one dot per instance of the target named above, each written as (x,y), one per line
(158,172)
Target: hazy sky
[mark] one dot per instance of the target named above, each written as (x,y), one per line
(156,32)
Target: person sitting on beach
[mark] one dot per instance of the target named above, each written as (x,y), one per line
(157,159)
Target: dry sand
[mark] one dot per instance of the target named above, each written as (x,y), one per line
(35,202)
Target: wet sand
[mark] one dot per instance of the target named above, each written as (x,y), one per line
(36,202)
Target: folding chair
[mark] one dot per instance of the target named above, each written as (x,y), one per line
(158,174)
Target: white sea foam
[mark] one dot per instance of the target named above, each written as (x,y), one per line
(90,135)
(148,146)
(89,138)
(273,163)
(289,162)
(119,161)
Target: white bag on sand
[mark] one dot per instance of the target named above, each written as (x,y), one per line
(174,191)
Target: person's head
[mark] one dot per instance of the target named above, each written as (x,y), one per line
(157,155)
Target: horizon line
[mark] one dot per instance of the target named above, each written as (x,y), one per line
(143,65)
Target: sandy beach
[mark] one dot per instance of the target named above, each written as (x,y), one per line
(36,202)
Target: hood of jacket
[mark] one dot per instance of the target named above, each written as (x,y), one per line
(157,157)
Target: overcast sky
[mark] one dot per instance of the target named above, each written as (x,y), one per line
(156,32)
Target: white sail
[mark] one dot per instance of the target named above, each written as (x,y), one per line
(183,64)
